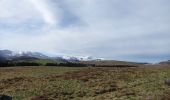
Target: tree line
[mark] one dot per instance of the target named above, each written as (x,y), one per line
(67,64)
(12,64)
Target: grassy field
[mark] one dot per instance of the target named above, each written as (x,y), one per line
(63,83)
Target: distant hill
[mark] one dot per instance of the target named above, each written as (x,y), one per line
(111,63)
(2,59)
(5,53)
(29,56)
(10,56)
(36,57)
(24,58)
(165,62)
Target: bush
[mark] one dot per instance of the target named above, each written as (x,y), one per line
(51,64)
(27,64)
(6,64)
(116,66)
(69,64)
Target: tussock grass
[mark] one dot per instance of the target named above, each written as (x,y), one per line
(62,83)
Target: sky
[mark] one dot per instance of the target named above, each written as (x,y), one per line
(132,30)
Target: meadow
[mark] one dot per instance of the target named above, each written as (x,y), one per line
(85,83)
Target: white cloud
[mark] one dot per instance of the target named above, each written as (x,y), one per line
(15,11)
(46,11)
(105,29)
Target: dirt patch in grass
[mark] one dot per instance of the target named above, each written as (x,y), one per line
(43,97)
(17,83)
(165,96)
(92,79)
(84,75)
(89,82)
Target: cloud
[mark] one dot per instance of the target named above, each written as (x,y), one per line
(46,11)
(117,29)
(13,11)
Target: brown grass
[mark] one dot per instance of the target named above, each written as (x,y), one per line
(51,83)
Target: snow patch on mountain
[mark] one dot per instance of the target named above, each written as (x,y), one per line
(12,54)
(82,58)
(9,54)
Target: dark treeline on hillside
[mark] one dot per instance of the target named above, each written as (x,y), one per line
(67,64)
(11,64)
(73,64)
(116,66)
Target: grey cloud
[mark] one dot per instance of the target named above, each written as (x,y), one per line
(117,29)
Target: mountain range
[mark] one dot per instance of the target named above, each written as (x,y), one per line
(8,55)
(165,62)
(12,55)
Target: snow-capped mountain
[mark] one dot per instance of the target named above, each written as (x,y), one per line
(33,54)
(11,54)
(7,54)
(81,58)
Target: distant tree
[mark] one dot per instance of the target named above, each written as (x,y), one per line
(51,64)
(27,64)
(116,66)
(70,64)
(6,64)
